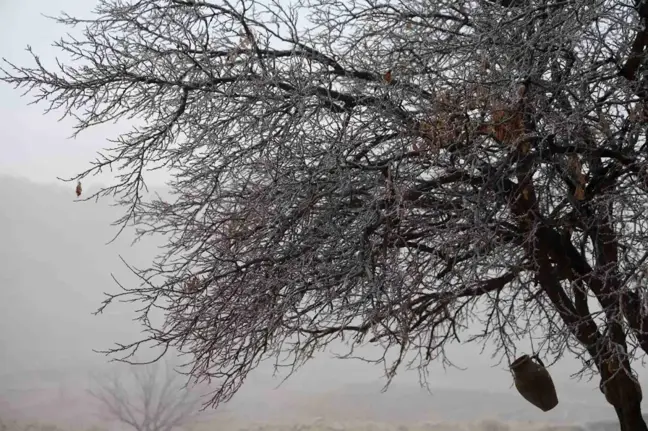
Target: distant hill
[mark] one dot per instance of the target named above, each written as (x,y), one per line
(406,403)
(55,267)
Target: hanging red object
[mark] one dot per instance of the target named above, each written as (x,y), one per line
(78,189)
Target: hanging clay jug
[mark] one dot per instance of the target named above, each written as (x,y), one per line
(533,382)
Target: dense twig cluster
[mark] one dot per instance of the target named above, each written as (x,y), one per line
(495,177)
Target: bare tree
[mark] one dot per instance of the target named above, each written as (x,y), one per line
(388,171)
(149,398)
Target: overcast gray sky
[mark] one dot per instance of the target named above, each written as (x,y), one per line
(32,144)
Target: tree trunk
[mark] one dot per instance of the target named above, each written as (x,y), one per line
(630,418)
(624,393)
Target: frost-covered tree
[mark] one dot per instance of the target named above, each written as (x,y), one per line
(396,172)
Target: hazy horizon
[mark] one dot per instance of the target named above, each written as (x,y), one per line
(57,266)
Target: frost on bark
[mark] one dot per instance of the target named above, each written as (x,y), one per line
(375,171)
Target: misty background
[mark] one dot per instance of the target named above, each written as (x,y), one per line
(55,264)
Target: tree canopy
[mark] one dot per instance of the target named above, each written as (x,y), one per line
(388,171)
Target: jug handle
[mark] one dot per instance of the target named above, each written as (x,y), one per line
(537,358)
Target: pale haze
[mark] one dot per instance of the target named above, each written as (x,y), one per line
(56,264)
